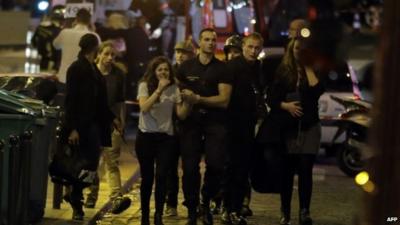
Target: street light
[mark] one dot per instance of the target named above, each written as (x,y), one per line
(43,5)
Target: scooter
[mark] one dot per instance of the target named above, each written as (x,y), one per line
(354,123)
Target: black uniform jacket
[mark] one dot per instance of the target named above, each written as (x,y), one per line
(86,100)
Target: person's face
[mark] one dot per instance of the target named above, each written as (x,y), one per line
(208,42)
(233,53)
(162,71)
(107,56)
(251,49)
(181,56)
(296,50)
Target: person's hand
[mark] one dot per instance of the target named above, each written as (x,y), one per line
(189,96)
(162,84)
(293,108)
(73,138)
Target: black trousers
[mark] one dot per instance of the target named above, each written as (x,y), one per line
(302,164)
(173,178)
(196,138)
(241,147)
(89,145)
(154,148)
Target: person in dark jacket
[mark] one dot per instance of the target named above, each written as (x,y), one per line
(232,49)
(42,40)
(137,51)
(207,85)
(88,116)
(243,118)
(295,121)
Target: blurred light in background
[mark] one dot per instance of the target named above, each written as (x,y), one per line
(43,5)
(362,178)
(305,32)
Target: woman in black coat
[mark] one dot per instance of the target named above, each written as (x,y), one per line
(88,117)
(294,112)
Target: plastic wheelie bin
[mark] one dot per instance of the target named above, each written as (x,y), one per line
(27,130)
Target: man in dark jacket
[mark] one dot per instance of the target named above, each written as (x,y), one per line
(88,116)
(245,100)
(208,87)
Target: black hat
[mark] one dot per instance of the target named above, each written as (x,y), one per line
(234,41)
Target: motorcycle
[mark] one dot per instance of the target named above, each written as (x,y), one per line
(354,123)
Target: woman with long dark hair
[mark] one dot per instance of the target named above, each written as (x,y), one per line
(294,99)
(158,97)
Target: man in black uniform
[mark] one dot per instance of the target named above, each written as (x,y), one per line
(245,100)
(207,85)
(43,38)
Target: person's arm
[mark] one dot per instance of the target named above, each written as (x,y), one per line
(122,113)
(183,110)
(146,102)
(182,107)
(311,76)
(219,101)
(57,42)
(71,103)
(316,86)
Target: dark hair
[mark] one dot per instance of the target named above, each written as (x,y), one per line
(88,43)
(150,75)
(83,16)
(208,29)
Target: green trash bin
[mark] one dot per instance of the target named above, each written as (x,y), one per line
(19,115)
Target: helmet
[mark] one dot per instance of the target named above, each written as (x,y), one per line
(57,12)
(234,41)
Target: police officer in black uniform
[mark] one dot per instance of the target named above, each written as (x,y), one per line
(232,49)
(207,85)
(243,107)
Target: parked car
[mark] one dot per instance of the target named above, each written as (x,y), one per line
(349,80)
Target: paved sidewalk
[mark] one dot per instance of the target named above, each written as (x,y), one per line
(128,166)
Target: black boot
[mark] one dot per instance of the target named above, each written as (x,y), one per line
(144,220)
(206,215)
(285,218)
(246,211)
(77,211)
(226,218)
(192,217)
(304,217)
(158,219)
(237,219)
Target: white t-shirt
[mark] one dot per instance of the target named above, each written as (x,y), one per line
(68,41)
(159,118)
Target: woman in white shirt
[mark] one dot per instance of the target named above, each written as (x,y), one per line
(158,97)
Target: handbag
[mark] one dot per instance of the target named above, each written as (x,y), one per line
(266,175)
(69,167)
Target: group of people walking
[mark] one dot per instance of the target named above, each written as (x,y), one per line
(201,106)
(217,106)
